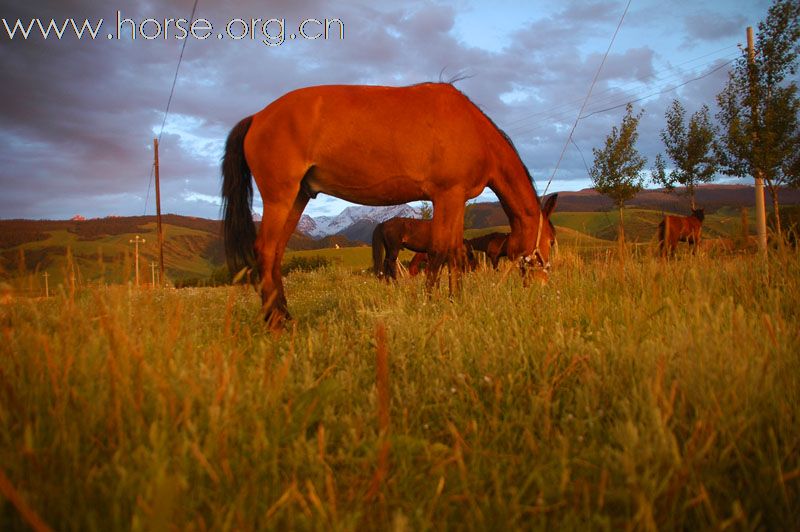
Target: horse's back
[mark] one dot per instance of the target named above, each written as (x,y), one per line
(376,145)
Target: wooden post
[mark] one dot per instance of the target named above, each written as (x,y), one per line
(153,272)
(46,285)
(761,218)
(158,217)
(136,241)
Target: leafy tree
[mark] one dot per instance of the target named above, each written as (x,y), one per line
(759,106)
(426,211)
(617,167)
(691,151)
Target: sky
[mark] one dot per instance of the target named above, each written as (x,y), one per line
(78,115)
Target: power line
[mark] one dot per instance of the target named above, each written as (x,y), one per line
(667,73)
(581,154)
(617,101)
(169,101)
(588,95)
(521,124)
(659,92)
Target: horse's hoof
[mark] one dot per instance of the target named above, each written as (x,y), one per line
(276,319)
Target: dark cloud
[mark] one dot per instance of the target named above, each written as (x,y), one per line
(77,117)
(705,25)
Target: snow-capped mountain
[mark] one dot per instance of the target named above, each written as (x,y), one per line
(330,225)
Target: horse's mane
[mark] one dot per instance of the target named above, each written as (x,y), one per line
(492,122)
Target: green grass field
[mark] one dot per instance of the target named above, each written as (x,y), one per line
(622,395)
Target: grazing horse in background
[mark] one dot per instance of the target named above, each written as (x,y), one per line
(391,236)
(416,263)
(495,245)
(420,260)
(374,146)
(674,229)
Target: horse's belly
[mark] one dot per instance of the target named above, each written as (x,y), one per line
(365,189)
(382,191)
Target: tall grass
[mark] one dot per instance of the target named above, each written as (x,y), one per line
(639,394)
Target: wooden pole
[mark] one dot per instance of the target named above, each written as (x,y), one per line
(136,241)
(158,217)
(761,218)
(46,285)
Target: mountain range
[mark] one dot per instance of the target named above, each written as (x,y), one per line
(354,223)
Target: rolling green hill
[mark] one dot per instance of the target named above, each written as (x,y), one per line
(94,252)
(100,252)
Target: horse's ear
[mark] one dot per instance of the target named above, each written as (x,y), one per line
(549,205)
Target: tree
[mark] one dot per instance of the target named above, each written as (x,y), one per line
(690,150)
(759,107)
(425,211)
(617,167)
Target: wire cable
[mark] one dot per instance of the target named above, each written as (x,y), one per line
(588,95)
(169,101)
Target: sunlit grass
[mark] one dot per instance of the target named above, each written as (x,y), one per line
(635,394)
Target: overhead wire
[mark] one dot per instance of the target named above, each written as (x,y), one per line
(616,101)
(169,101)
(521,124)
(588,95)
(656,78)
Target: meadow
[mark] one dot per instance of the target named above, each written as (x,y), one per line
(624,394)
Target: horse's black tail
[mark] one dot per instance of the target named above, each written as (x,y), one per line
(378,245)
(238,229)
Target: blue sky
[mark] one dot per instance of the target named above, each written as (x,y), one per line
(77,117)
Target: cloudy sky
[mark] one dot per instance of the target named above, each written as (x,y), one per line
(78,116)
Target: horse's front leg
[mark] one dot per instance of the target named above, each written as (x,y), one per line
(447,232)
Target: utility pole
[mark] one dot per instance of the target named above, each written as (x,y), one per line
(46,285)
(136,241)
(761,218)
(153,272)
(158,216)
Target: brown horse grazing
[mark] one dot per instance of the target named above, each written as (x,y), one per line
(420,261)
(375,146)
(674,229)
(389,237)
(495,245)
(417,261)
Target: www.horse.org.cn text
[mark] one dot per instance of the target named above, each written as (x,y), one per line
(270,31)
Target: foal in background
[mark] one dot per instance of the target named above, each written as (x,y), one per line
(391,236)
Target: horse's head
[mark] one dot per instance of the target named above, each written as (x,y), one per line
(472,262)
(699,213)
(539,259)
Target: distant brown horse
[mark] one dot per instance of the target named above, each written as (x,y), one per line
(420,261)
(674,229)
(416,264)
(389,237)
(495,245)
(375,146)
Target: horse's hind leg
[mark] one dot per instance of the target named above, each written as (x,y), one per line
(280,207)
(390,262)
